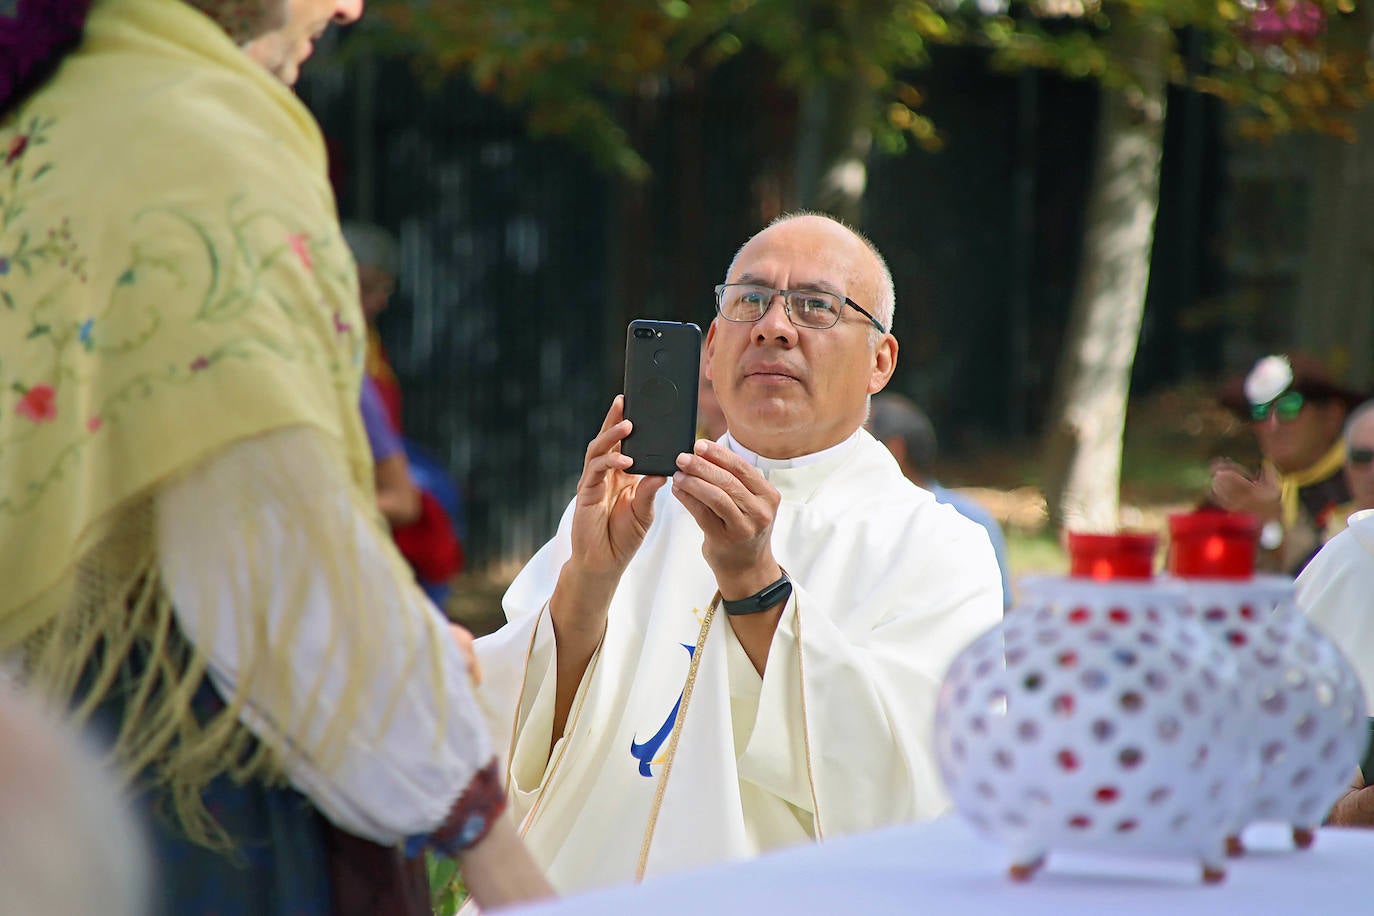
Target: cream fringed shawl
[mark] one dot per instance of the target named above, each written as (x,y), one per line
(172,280)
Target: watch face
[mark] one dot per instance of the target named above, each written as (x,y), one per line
(1271,535)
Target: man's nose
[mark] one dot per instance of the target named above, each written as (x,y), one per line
(346,11)
(774,322)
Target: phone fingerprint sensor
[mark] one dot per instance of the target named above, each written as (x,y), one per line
(662,357)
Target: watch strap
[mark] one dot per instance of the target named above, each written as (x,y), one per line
(766,597)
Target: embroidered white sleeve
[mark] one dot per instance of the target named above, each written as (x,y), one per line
(285,578)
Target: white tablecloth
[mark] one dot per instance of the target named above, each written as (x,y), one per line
(942,868)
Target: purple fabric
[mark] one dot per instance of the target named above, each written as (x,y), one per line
(380,436)
(34,34)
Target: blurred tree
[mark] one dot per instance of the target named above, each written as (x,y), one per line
(567,62)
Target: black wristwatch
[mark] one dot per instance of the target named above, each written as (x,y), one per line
(761,600)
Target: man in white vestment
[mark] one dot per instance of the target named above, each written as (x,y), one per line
(1336,592)
(748,657)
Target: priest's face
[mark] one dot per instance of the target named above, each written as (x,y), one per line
(789,391)
(283,50)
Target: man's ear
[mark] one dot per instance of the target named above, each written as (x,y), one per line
(884,363)
(710,350)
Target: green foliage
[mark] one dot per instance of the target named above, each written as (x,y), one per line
(568,63)
(446,890)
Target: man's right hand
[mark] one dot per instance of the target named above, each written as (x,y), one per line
(614,508)
(611,516)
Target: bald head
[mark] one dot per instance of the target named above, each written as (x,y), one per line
(789,390)
(868,269)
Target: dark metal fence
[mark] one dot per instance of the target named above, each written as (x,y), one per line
(521,262)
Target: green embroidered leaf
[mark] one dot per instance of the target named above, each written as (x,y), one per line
(126,278)
(39,330)
(42,170)
(6,298)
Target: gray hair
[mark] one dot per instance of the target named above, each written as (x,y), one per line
(1355,417)
(886,306)
(373,246)
(893,415)
(68,843)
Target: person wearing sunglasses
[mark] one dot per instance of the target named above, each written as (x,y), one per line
(745,655)
(1359,463)
(1296,411)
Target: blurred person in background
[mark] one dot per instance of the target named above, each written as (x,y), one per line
(191,555)
(69,843)
(710,418)
(909,435)
(1296,411)
(1359,465)
(379,264)
(416,494)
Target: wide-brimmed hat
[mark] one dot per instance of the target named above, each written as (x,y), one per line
(1277,373)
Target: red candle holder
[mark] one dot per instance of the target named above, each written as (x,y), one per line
(1106,557)
(1211,544)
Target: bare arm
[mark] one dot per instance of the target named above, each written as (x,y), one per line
(611,516)
(397,495)
(499,872)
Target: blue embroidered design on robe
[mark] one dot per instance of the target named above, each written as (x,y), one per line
(646,752)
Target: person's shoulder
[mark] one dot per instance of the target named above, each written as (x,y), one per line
(1359,531)
(882,494)
(1351,549)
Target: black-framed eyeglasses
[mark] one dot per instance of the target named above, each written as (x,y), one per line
(1286,406)
(1360,456)
(805,308)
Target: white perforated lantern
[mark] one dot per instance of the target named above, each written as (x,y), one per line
(1304,707)
(1095,717)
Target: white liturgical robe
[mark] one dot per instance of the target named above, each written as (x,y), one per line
(1336,592)
(676,752)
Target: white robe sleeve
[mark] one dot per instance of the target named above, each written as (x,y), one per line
(282,575)
(859,707)
(1336,592)
(519,668)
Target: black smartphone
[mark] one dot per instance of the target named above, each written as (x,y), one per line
(662,359)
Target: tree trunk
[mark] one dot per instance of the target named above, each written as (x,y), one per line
(833,143)
(1083,443)
(1334,317)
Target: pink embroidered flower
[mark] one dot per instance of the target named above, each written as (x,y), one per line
(17,147)
(200,363)
(93,424)
(300,244)
(38,404)
(341,326)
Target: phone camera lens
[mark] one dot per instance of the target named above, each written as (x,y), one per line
(643,333)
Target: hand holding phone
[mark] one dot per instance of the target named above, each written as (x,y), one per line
(662,360)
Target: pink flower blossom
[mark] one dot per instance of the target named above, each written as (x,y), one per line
(38,404)
(300,244)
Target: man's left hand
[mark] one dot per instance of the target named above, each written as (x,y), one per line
(735,507)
